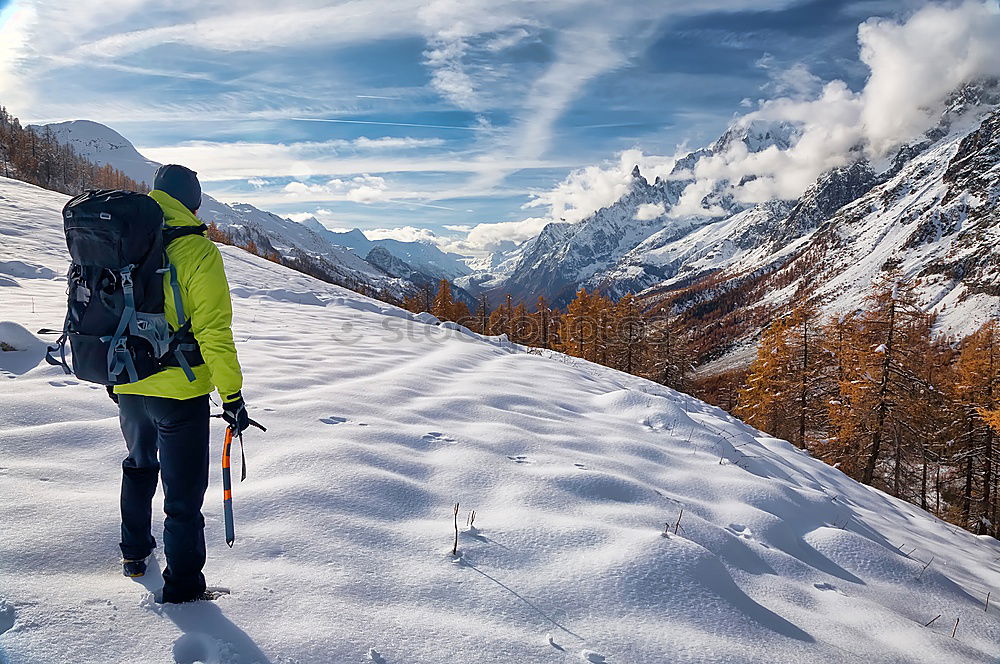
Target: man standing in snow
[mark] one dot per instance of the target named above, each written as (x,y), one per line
(165,417)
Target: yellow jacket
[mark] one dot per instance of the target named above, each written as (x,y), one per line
(205,296)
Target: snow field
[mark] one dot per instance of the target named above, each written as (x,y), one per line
(378,424)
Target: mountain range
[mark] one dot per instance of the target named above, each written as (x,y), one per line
(928,214)
(341,257)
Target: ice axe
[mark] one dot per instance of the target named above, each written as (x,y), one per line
(227,480)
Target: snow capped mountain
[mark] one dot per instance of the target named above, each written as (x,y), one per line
(565,256)
(379,423)
(102,145)
(423,256)
(932,214)
(762,236)
(272,233)
(936,220)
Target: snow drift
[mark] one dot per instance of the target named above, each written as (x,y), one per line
(379,423)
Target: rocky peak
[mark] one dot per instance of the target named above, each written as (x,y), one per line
(973,167)
(757,135)
(833,190)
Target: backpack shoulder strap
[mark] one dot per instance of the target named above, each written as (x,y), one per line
(171,233)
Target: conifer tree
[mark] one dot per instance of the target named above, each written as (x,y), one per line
(443,306)
(543,323)
(977,386)
(500,320)
(667,351)
(882,353)
(764,401)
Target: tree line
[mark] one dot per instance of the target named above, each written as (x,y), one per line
(40,159)
(879,395)
(618,334)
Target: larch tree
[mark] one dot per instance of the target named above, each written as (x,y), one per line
(882,351)
(977,388)
(443,306)
(765,401)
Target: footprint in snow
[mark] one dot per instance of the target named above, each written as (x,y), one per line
(437,437)
(375,656)
(580,466)
(824,586)
(333,419)
(740,531)
(62,383)
(591,656)
(521,458)
(7,615)
(198,648)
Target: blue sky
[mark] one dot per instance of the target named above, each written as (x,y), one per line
(427,116)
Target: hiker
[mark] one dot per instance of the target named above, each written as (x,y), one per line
(165,417)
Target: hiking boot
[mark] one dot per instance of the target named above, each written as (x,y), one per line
(134,568)
(208,594)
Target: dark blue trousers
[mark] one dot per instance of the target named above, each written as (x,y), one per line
(166,438)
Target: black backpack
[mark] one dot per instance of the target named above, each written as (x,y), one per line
(115,323)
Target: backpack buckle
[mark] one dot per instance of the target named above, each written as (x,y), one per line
(127,277)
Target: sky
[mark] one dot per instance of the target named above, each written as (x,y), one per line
(467,123)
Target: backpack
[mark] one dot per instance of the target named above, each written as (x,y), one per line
(115,322)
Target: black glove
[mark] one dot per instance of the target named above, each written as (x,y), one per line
(111,393)
(234,412)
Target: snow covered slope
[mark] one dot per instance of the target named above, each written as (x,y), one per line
(378,424)
(102,145)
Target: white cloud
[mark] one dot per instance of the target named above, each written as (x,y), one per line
(359,189)
(914,63)
(16,26)
(217,161)
(794,81)
(459,228)
(257,183)
(406,234)
(395,143)
(478,240)
(586,190)
(256,29)
(488,237)
(648,211)
(914,66)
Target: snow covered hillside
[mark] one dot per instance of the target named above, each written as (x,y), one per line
(379,422)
